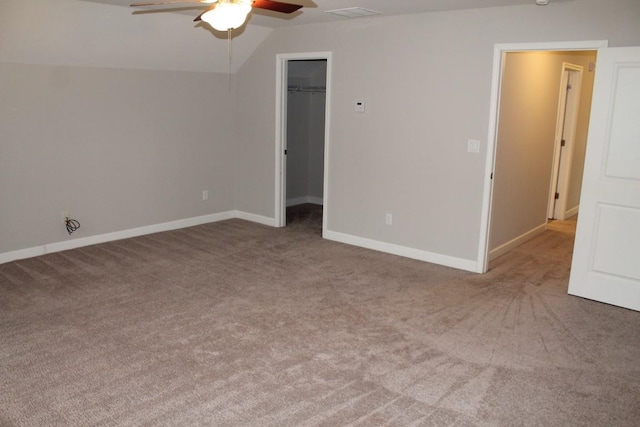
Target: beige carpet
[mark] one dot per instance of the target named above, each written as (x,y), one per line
(237,324)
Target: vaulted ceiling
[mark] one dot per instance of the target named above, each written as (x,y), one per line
(109,33)
(314,11)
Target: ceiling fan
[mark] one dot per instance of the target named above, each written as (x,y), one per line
(226,15)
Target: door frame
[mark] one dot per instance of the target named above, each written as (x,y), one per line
(282,62)
(567,120)
(499,52)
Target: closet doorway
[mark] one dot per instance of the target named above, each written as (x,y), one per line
(303,148)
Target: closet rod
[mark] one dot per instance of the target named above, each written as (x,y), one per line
(297,88)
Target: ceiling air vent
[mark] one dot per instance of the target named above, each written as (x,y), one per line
(353,12)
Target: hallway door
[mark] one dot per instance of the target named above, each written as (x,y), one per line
(605,261)
(568,106)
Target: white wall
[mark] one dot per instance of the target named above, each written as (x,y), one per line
(427,82)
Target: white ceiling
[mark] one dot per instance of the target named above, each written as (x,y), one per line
(314,10)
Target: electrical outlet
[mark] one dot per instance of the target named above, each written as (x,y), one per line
(205,194)
(64,215)
(388,219)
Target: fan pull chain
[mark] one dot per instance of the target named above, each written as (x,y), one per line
(229,59)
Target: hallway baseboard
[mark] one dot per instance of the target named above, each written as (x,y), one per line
(506,247)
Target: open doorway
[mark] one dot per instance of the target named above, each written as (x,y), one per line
(303,99)
(306,105)
(527,82)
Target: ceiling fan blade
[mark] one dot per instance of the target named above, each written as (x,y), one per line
(160,3)
(276,6)
(199,17)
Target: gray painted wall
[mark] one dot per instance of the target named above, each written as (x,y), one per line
(119,149)
(80,129)
(427,83)
(78,33)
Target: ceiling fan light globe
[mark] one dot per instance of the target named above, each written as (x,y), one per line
(227,16)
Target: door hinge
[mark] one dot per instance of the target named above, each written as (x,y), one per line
(557,196)
(285,152)
(491,175)
(569,86)
(563,143)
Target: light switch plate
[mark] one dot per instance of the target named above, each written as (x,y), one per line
(473,146)
(359,106)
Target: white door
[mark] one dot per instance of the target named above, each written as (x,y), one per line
(606,259)
(567,123)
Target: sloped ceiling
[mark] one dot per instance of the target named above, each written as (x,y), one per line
(109,33)
(314,11)
(79,33)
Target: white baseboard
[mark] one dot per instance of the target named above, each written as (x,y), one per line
(506,247)
(434,258)
(22,254)
(459,263)
(117,235)
(264,220)
(571,212)
(305,199)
